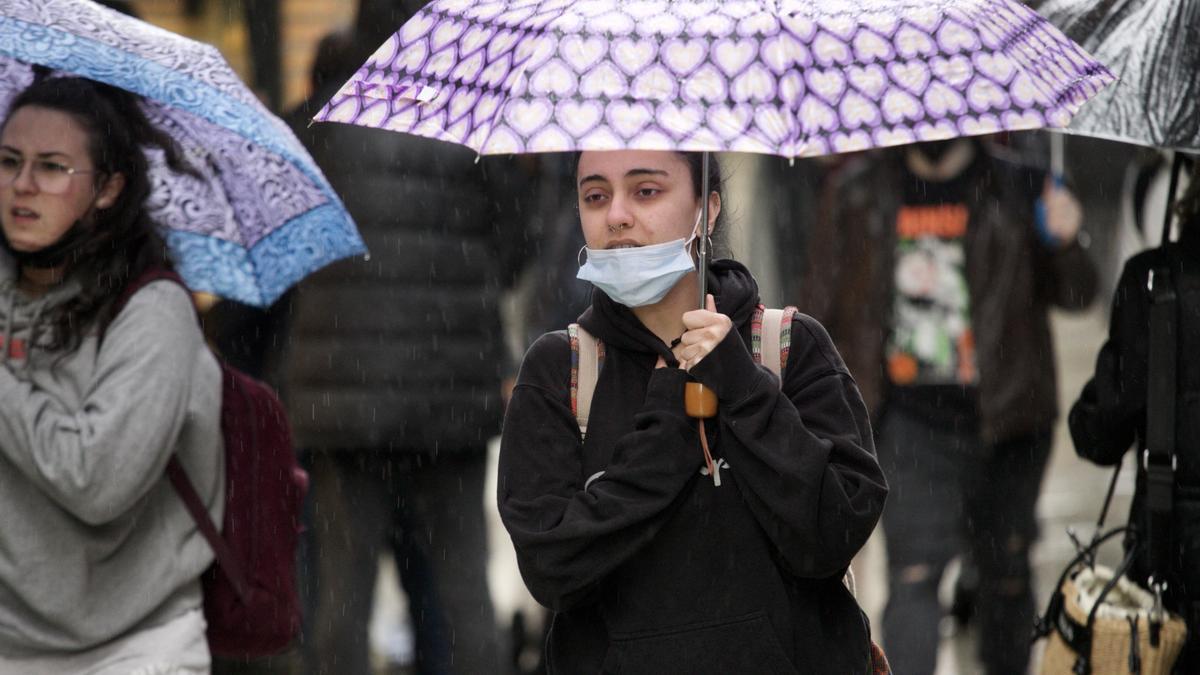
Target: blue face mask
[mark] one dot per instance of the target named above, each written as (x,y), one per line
(639,276)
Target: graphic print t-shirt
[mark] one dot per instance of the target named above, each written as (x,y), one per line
(931,348)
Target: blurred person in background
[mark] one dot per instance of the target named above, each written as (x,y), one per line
(1110,416)
(933,267)
(392,374)
(122,6)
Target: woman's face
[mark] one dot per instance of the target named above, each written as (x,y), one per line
(44,141)
(637,198)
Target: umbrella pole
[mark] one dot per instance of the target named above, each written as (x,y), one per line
(1176,169)
(702,248)
(1056,156)
(699,401)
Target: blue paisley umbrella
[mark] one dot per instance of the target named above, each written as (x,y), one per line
(262,215)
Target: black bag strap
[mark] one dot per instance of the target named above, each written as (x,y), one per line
(1158,458)
(1089,550)
(1055,618)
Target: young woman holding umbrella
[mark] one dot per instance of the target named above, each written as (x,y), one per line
(99,560)
(651,564)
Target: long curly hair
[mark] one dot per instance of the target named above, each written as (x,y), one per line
(122,240)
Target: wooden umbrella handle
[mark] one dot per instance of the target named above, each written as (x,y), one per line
(699,401)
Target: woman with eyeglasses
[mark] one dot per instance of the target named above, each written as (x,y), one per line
(99,560)
(664,545)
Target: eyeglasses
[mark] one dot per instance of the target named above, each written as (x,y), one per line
(50,176)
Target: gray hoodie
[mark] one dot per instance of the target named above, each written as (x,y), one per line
(94,543)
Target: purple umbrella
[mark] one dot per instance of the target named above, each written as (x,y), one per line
(262,215)
(784,77)
(791,78)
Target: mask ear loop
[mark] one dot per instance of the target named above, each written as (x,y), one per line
(579,256)
(692,240)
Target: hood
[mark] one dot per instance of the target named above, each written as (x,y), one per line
(730,283)
(21,317)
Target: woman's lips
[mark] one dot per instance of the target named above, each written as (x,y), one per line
(23,213)
(623,243)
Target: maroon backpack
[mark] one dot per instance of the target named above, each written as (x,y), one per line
(250,600)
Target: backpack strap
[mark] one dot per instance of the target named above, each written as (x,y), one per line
(147,277)
(771,333)
(587,357)
(226,560)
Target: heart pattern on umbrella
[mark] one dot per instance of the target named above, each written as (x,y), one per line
(786,77)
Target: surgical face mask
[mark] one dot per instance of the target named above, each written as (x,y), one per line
(636,277)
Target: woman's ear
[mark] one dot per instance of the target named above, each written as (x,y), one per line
(111,189)
(714,209)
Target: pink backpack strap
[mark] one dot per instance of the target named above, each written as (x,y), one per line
(587,356)
(756,321)
(771,332)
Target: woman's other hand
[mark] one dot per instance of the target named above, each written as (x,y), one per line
(705,330)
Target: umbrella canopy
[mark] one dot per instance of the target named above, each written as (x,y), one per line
(785,77)
(262,215)
(1153,46)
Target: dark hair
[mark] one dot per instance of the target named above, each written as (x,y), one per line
(716,183)
(123,241)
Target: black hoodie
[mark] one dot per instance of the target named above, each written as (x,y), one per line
(649,566)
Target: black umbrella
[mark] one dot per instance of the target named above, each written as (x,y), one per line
(1153,47)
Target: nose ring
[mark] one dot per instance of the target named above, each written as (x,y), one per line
(620,226)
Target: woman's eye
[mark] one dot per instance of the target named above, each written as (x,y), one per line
(53,167)
(593,197)
(10,162)
(648,192)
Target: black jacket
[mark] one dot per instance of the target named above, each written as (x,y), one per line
(404,349)
(1110,415)
(650,567)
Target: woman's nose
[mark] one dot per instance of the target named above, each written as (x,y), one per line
(618,215)
(23,182)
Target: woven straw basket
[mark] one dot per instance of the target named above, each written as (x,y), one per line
(1111,633)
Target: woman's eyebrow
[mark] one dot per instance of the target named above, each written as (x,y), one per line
(52,153)
(645,172)
(632,173)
